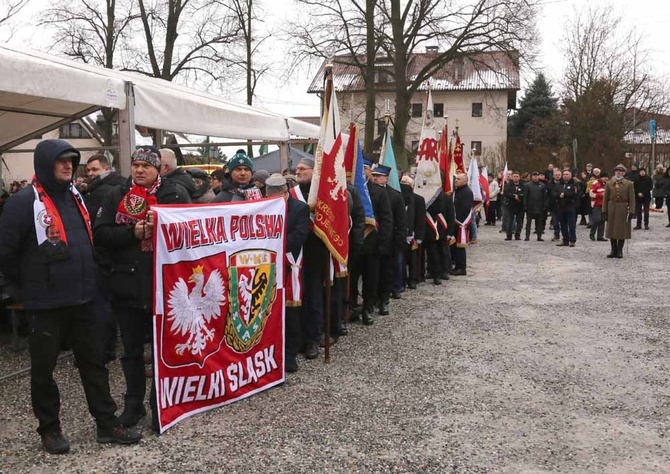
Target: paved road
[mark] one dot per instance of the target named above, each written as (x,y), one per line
(542,359)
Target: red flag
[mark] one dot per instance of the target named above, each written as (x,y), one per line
(458,155)
(328,192)
(350,152)
(445,162)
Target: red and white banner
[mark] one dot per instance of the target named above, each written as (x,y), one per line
(328,191)
(427,181)
(219,304)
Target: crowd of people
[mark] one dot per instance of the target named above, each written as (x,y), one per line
(606,206)
(79,255)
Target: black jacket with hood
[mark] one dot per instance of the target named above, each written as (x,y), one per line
(183,181)
(45,283)
(98,188)
(130,269)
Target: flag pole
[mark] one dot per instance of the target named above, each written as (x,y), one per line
(326,108)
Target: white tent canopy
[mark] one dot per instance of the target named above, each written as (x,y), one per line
(39,92)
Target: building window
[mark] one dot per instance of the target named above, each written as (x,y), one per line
(382,77)
(415,146)
(476,148)
(438,110)
(476,109)
(73,130)
(417,110)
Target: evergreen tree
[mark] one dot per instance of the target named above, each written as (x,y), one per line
(538,105)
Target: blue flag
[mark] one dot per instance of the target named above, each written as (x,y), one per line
(362,188)
(388,159)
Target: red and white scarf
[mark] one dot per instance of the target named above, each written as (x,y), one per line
(463,234)
(135,206)
(293,283)
(46,213)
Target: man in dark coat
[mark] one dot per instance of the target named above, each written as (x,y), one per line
(297,229)
(419,234)
(514,194)
(389,264)
(238,185)
(57,289)
(643,186)
(565,195)
(376,245)
(124,233)
(618,210)
(176,174)
(535,205)
(101,180)
(463,201)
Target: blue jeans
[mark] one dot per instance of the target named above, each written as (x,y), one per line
(567,219)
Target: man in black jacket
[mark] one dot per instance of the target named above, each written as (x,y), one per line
(238,185)
(463,201)
(535,204)
(176,174)
(101,180)
(514,195)
(297,229)
(124,230)
(57,286)
(418,228)
(565,193)
(643,186)
(389,264)
(376,245)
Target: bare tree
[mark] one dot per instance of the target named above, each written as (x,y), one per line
(246,58)
(460,29)
(186,38)
(92,31)
(9,9)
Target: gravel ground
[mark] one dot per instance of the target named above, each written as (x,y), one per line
(542,359)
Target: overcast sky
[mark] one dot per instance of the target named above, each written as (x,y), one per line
(651,17)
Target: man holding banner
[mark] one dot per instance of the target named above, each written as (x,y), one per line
(123,233)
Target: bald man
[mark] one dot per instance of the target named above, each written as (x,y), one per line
(169,170)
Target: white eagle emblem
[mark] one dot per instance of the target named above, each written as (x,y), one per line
(191,312)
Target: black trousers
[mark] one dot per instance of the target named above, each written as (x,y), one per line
(516,221)
(49,329)
(365,267)
(388,265)
(642,206)
(459,256)
(659,202)
(136,330)
(311,313)
(337,296)
(412,259)
(104,314)
(293,335)
(539,223)
(434,258)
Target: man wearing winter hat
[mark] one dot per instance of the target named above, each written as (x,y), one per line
(123,234)
(259,178)
(618,210)
(57,284)
(237,185)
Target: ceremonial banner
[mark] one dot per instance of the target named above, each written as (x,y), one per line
(445,162)
(484,185)
(458,155)
(356,175)
(328,191)
(473,180)
(504,179)
(428,181)
(387,158)
(219,304)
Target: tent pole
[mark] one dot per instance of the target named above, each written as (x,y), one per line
(126,132)
(283,156)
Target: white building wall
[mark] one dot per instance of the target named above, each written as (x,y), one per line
(490,128)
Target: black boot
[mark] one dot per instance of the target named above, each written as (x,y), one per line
(384,307)
(133,413)
(367,316)
(619,252)
(613,253)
